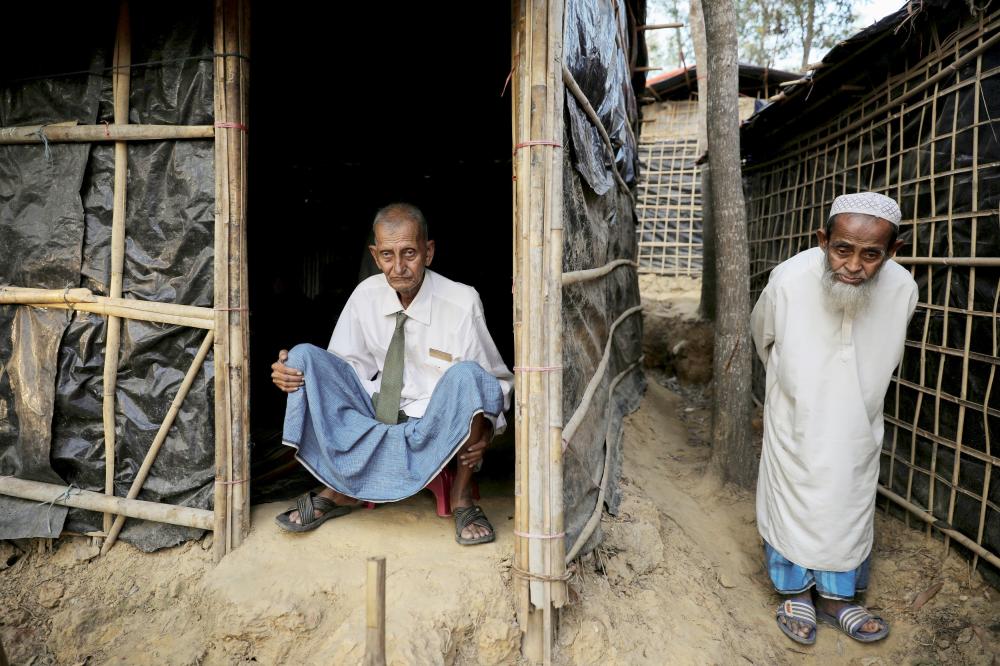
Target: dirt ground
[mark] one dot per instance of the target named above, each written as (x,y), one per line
(678,580)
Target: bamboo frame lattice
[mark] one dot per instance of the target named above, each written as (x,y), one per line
(926,137)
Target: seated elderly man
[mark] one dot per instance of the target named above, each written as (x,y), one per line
(411,378)
(830,328)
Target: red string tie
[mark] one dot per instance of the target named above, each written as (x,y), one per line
(539,142)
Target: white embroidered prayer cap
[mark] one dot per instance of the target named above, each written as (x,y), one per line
(867,203)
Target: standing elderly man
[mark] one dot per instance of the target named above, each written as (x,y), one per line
(830,328)
(411,378)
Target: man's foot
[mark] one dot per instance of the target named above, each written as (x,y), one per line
(472,517)
(330,494)
(797,614)
(469,456)
(846,615)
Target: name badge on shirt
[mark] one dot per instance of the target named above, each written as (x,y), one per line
(440,355)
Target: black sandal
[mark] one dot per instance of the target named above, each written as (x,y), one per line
(307,505)
(472,515)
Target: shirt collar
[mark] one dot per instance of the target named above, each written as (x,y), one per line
(420,308)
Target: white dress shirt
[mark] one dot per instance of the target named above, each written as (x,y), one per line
(444,325)
(827,375)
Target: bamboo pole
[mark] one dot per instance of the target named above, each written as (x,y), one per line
(58,133)
(161,436)
(76,297)
(375,613)
(120,91)
(50,493)
(521,112)
(27,296)
(221,293)
(124,312)
(948,261)
(658,26)
(556,555)
(572,277)
(235,40)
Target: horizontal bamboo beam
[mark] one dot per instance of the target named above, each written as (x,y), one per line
(85,301)
(50,493)
(646,69)
(572,277)
(99,133)
(944,528)
(659,26)
(947,261)
(569,430)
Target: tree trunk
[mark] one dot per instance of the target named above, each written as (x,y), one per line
(708,281)
(807,34)
(732,453)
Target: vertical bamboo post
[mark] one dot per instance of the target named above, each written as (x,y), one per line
(221,293)
(120,91)
(235,39)
(538,316)
(375,613)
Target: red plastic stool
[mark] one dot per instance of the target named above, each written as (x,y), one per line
(440,485)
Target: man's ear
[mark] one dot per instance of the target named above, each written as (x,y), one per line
(895,248)
(374,251)
(821,238)
(430,253)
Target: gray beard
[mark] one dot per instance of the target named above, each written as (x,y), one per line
(847,298)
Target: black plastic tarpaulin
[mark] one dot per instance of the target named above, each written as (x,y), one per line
(599,227)
(55,230)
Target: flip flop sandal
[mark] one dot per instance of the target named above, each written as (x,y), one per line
(307,505)
(851,618)
(802,612)
(472,515)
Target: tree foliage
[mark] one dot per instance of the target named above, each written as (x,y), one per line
(772,33)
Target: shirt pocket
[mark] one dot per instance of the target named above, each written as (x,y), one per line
(437,361)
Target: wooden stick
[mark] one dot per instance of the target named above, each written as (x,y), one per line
(942,527)
(658,26)
(572,277)
(120,85)
(948,261)
(375,613)
(119,312)
(161,436)
(595,517)
(50,493)
(646,69)
(588,109)
(588,395)
(221,293)
(33,134)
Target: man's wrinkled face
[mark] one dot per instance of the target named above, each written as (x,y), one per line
(402,254)
(858,246)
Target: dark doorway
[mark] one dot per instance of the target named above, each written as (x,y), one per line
(353,106)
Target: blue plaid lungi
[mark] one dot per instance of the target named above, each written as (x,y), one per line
(331,422)
(790,578)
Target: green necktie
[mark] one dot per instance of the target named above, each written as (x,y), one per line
(387,409)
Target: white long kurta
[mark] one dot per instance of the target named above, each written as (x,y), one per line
(827,375)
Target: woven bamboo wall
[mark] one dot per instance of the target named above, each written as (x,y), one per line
(927,138)
(669,192)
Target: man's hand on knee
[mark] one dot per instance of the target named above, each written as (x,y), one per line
(285,378)
(472,454)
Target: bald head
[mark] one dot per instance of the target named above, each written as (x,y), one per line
(396,215)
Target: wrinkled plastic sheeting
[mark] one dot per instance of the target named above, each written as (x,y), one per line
(592,53)
(169,258)
(598,229)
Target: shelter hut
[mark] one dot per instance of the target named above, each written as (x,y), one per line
(669,193)
(152,266)
(905,108)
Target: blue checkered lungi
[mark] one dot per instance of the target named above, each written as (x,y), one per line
(790,578)
(331,422)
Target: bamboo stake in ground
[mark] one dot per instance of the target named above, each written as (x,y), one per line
(221,292)
(375,613)
(161,436)
(120,88)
